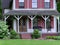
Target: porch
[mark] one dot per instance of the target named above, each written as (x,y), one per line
(27,24)
(25,21)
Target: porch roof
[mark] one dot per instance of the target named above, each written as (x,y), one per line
(32,12)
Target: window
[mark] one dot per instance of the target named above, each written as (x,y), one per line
(21,3)
(34,3)
(47,3)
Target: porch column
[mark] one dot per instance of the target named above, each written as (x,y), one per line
(18,17)
(45,18)
(58,24)
(31,17)
(55,25)
(5,18)
(31,23)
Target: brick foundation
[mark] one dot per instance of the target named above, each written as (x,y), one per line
(25,36)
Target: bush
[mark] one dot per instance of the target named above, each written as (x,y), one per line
(14,35)
(53,37)
(4,32)
(36,34)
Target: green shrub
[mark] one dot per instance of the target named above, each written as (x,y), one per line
(36,34)
(4,32)
(14,35)
(53,37)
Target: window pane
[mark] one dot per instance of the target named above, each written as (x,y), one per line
(34,5)
(34,0)
(47,4)
(46,0)
(21,0)
(21,4)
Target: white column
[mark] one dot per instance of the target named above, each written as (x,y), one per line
(55,25)
(18,17)
(14,24)
(31,23)
(18,25)
(5,18)
(45,22)
(58,24)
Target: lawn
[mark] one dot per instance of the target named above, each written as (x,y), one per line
(29,42)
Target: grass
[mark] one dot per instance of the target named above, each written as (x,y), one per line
(29,42)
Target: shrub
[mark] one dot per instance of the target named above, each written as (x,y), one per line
(53,37)
(4,32)
(14,35)
(36,34)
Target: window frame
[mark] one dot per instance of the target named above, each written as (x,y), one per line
(47,5)
(21,4)
(34,4)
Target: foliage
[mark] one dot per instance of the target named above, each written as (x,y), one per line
(36,34)
(0,10)
(53,37)
(58,6)
(14,35)
(4,32)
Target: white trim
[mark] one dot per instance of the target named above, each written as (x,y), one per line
(14,25)
(54,5)
(55,24)
(5,18)
(21,0)
(46,0)
(35,9)
(14,7)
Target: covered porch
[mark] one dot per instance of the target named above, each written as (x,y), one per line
(27,20)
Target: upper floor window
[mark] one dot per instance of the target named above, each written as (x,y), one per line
(34,3)
(47,4)
(21,3)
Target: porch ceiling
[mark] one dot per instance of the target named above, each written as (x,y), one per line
(32,12)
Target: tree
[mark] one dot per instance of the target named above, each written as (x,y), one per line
(58,6)
(0,10)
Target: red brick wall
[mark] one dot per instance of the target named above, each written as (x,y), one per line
(51,3)
(41,23)
(40,3)
(17,3)
(52,21)
(25,3)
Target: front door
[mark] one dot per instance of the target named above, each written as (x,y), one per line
(23,24)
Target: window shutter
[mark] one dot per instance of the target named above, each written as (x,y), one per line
(17,3)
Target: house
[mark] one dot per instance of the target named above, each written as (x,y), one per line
(28,15)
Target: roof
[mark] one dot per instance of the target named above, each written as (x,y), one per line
(32,12)
(6,4)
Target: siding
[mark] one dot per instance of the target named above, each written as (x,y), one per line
(25,3)
(30,3)
(52,22)
(51,3)
(17,3)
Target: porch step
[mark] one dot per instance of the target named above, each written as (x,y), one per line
(26,36)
